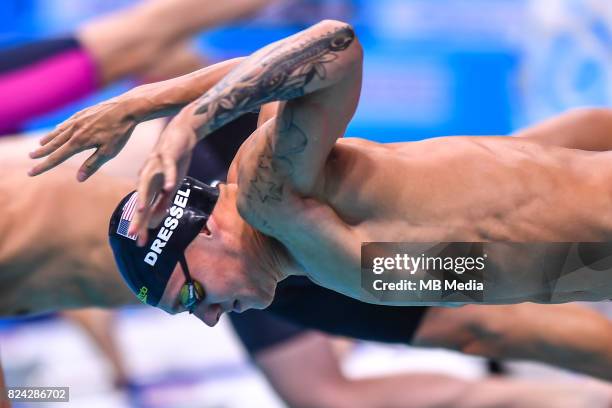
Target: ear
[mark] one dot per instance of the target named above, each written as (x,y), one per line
(210,227)
(205,230)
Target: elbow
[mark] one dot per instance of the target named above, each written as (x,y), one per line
(344,38)
(331,25)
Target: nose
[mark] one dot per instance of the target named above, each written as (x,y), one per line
(209,313)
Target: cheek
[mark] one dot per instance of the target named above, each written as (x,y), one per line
(248,284)
(225,277)
(219,282)
(221,279)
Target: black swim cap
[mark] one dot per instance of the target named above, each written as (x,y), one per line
(147,269)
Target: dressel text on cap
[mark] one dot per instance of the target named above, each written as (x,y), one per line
(169,225)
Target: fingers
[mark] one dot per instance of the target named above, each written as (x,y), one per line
(136,227)
(149,216)
(58,157)
(162,203)
(149,187)
(169,174)
(59,129)
(91,165)
(155,190)
(140,219)
(51,146)
(158,180)
(51,135)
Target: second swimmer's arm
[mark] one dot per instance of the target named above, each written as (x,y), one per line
(525,331)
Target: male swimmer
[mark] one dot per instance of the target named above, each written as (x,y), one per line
(524,331)
(75,269)
(300,200)
(147,40)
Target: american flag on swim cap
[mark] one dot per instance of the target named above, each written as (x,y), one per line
(129,209)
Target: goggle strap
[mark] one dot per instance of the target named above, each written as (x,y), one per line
(183,263)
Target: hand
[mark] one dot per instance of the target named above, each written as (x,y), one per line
(106,127)
(165,167)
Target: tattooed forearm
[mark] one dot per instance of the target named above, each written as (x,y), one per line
(280,73)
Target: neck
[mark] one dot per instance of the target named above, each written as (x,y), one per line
(274,256)
(268,255)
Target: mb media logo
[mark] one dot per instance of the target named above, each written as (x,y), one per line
(438,273)
(424,272)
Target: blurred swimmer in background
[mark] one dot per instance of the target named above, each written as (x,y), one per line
(147,40)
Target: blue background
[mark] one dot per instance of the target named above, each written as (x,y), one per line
(432,67)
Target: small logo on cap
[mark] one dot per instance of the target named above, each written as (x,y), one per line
(129,209)
(142,294)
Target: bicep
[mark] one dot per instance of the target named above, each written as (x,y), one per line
(287,153)
(262,190)
(304,130)
(279,163)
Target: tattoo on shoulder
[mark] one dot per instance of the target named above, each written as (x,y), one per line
(274,165)
(283,75)
(276,162)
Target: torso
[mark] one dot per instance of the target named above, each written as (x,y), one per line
(53,251)
(445,189)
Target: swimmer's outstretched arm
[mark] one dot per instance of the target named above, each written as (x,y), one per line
(583,129)
(108,125)
(318,73)
(569,336)
(305,372)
